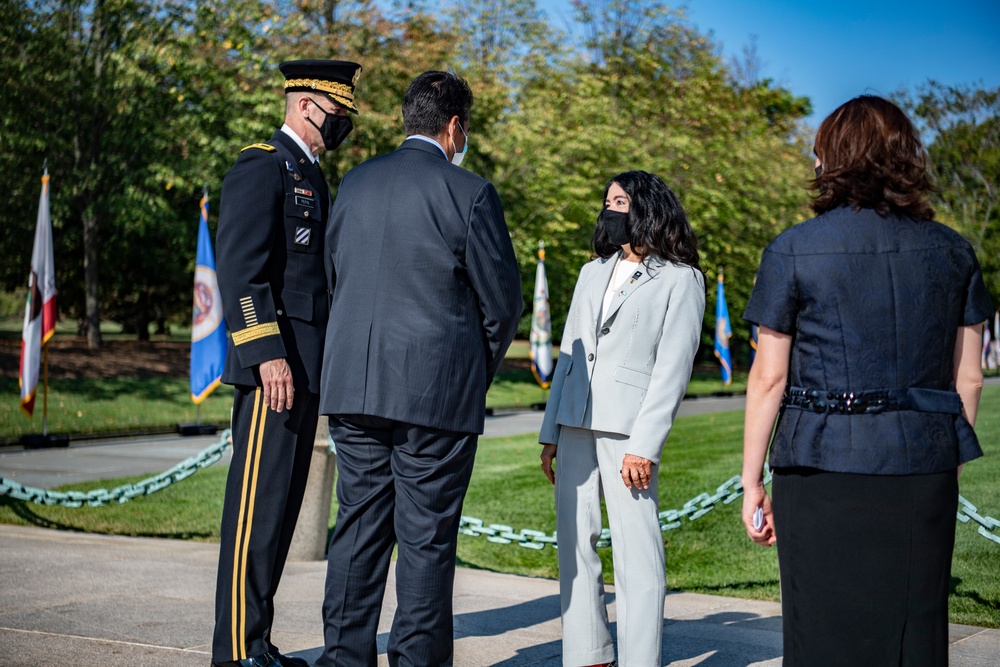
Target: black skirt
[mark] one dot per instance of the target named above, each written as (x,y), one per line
(865,564)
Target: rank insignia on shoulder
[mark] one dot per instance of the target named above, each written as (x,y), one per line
(303,235)
(291,170)
(303,191)
(264,147)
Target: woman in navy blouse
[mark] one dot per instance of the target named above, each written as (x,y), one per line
(870,321)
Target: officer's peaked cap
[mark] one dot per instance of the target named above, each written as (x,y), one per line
(334,78)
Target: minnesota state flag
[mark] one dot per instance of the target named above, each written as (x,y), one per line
(208,330)
(723,331)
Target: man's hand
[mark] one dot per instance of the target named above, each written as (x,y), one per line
(276,377)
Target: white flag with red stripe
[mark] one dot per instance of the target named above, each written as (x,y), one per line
(40,311)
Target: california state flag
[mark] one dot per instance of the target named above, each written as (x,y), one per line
(40,312)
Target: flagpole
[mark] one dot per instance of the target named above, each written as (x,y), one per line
(45,352)
(197,412)
(41,287)
(45,389)
(541,258)
(208,329)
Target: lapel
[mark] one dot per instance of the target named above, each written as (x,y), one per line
(309,170)
(646,271)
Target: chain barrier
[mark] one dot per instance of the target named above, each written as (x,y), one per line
(693,509)
(968,512)
(671,519)
(120,494)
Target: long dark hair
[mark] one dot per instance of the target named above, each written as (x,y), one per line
(657,224)
(871,157)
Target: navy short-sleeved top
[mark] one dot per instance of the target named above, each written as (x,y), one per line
(872,302)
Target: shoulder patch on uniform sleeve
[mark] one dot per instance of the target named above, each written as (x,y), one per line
(264,147)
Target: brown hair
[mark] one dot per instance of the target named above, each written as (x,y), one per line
(871,157)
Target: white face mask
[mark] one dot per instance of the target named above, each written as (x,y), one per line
(457,158)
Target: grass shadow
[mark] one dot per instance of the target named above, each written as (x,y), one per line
(971,595)
(23,511)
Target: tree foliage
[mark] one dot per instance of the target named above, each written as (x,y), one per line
(139,104)
(649,93)
(961,125)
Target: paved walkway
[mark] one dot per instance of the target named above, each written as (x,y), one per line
(93,600)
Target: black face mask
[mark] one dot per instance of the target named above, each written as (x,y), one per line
(616,224)
(334,129)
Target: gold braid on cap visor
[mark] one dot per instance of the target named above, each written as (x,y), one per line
(333,87)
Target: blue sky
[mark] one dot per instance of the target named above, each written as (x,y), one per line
(833,51)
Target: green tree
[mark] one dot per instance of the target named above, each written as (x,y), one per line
(392,45)
(651,93)
(962,124)
(92,109)
(137,106)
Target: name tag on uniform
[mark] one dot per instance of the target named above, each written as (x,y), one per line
(302,235)
(305,201)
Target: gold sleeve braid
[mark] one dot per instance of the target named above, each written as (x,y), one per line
(255,332)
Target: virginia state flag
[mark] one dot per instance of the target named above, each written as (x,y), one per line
(40,310)
(723,331)
(541,327)
(208,330)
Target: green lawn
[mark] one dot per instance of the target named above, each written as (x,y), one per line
(111,405)
(709,555)
(124,405)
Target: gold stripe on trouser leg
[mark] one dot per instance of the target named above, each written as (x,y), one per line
(242,540)
(254,475)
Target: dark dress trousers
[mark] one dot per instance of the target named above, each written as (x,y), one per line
(272,224)
(865,498)
(426,299)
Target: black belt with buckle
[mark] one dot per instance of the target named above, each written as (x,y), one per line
(871,402)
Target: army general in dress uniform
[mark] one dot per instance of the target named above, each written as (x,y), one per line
(272,224)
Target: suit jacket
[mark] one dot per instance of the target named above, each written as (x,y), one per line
(628,372)
(873,303)
(426,291)
(272,222)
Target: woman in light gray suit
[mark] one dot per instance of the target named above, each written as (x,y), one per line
(624,364)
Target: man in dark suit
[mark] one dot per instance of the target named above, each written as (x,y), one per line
(426,299)
(272,226)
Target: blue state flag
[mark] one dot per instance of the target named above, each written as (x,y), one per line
(540,336)
(723,331)
(208,329)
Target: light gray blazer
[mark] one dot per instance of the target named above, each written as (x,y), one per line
(628,373)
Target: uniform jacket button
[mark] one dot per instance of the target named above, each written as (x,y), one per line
(280,312)
(590,357)
(605,331)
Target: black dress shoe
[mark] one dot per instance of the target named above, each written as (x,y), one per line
(266,660)
(286,660)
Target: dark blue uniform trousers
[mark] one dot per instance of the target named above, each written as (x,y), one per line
(267,479)
(396,483)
